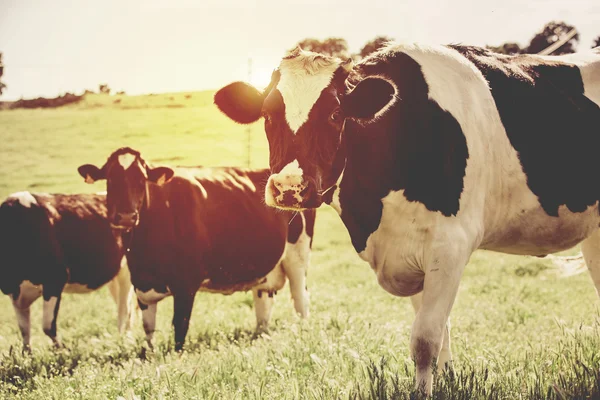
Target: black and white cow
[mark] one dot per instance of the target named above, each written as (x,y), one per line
(429,153)
(203,229)
(55,243)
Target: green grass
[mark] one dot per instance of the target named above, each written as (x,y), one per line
(519,331)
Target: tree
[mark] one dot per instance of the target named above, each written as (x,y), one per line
(596,42)
(552,32)
(373,45)
(335,47)
(2,85)
(507,48)
(104,89)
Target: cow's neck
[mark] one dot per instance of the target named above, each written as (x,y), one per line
(362,185)
(155,217)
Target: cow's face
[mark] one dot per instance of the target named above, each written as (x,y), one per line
(304,114)
(127,179)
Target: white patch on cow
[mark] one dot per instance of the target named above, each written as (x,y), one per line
(263,304)
(303,78)
(28,293)
(149,321)
(151,296)
(289,178)
(48,313)
(25,198)
(77,288)
(335,198)
(295,265)
(125,160)
(24,322)
(269,197)
(395,250)
(292,169)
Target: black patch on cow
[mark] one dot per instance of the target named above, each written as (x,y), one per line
(552,125)
(415,146)
(296,226)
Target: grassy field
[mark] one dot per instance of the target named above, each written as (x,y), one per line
(519,331)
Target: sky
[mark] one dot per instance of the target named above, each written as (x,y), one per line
(155,46)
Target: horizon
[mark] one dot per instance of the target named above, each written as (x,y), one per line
(155,47)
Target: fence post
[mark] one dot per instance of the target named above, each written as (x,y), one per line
(249,127)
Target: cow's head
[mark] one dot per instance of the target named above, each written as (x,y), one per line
(127,178)
(304,109)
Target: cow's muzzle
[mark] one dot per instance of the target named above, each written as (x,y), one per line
(291,192)
(125,221)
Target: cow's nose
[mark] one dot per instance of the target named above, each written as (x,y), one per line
(285,182)
(289,198)
(126,220)
(284,192)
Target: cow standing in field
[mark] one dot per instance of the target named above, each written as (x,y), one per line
(203,229)
(55,243)
(429,153)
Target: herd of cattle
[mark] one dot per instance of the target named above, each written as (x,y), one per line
(426,152)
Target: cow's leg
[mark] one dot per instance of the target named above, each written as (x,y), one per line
(182,303)
(442,278)
(149,320)
(444,361)
(124,299)
(590,248)
(264,297)
(50,313)
(113,288)
(263,307)
(295,265)
(22,299)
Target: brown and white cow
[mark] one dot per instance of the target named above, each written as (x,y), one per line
(55,243)
(431,152)
(203,229)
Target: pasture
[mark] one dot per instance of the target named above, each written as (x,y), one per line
(518,330)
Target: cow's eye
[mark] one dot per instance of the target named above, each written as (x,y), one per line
(336,116)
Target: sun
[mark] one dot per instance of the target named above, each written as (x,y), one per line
(260,76)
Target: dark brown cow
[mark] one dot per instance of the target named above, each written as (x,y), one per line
(55,243)
(203,229)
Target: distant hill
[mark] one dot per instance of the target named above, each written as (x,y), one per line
(124,102)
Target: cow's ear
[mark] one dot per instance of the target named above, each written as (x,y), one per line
(369,97)
(91,173)
(160,175)
(240,101)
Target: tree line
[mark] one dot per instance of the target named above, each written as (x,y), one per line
(549,34)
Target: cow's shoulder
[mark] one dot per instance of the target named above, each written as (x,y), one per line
(414,146)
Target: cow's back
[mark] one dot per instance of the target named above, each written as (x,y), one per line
(247,238)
